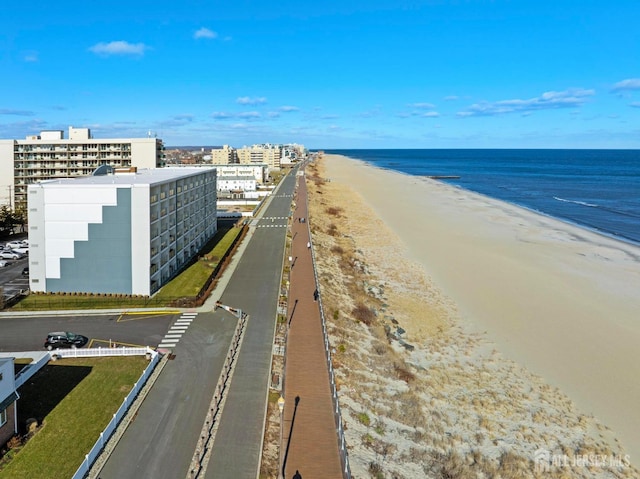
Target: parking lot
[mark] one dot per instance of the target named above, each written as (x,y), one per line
(12,281)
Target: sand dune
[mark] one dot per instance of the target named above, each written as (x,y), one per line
(561,301)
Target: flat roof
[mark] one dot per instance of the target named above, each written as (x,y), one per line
(147,176)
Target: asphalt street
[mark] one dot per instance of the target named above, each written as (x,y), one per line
(161,441)
(254,288)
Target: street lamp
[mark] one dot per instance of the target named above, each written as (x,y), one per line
(281,408)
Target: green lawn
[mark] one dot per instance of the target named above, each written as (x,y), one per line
(74,399)
(186,285)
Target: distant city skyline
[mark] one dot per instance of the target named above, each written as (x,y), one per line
(374,74)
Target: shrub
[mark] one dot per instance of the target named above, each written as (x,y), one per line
(364,314)
(363,417)
(403,373)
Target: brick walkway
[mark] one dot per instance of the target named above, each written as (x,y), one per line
(309,438)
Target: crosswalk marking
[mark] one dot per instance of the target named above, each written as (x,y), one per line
(177,329)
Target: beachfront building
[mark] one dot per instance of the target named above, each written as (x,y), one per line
(50,155)
(8,398)
(125,233)
(258,154)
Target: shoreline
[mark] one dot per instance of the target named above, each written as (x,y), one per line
(442,178)
(559,299)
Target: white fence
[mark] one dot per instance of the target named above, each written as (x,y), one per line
(126,403)
(98,352)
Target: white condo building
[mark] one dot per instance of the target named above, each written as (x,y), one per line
(50,155)
(126,233)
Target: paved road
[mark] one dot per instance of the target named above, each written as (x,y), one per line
(254,288)
(161,441)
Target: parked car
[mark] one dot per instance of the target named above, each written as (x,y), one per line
(25,271)
(10,255)
(64,339)
(14,244)
(22,250)
(3,263)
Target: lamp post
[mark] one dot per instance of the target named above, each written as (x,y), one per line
(281,408)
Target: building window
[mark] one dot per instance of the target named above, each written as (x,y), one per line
(3,417)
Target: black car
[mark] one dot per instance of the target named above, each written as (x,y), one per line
(25,271)
(65,340)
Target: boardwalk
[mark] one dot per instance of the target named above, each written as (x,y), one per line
(309,441)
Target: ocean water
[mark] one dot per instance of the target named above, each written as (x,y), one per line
(596,189)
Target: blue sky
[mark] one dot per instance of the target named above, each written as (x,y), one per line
(332,74)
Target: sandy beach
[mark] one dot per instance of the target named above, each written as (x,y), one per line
(559,301)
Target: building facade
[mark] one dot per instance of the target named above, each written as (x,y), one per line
(256,154)
(8,398)
(50,155)
(119,233)
(257,172)
(224,156)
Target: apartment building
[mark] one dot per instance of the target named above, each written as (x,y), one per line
(50,155)
(256,154)
(224,156)
(126,233)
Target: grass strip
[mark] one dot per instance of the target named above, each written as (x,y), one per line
(74,400)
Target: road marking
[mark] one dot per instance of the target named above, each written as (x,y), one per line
(143,315)
(177,329)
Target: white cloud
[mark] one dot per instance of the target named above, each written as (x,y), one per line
(431,114)
(204,33)
(628,84)
(9,111)
(547,101)
(119,48)
(422,106)
(451,98)
(635,104)
(31,57)
(177,121)
(287,108)
(221,115)
(249,115)
(245,100)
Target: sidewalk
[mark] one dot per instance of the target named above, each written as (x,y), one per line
(309,437)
